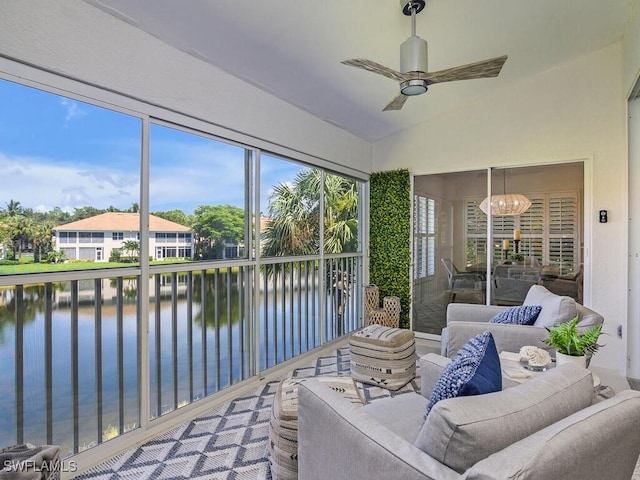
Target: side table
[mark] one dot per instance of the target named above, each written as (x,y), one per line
(513,372)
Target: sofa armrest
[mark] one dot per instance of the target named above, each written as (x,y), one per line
(470,312)
(431,366)
(509,338)
(366,449)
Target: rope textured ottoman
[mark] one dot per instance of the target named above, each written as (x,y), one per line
(383,356)
(283,426)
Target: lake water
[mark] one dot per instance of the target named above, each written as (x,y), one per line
(282,318)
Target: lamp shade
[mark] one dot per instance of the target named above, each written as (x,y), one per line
(506,204)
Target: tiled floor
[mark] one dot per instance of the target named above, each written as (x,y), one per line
(230,442)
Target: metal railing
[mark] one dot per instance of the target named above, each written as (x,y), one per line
(71,344)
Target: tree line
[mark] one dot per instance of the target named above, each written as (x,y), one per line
(292,226)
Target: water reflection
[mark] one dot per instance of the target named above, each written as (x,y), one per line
(187,362)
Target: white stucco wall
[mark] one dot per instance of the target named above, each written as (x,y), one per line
(574,111)
(78,40)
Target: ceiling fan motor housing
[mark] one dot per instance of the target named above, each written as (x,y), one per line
(413,58)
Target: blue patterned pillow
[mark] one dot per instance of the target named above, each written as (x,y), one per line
(473,371)
(523,315)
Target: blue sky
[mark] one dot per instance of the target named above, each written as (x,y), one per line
(58,152)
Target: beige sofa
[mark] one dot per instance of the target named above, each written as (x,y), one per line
(545,428)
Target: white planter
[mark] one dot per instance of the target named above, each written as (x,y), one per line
(562,358)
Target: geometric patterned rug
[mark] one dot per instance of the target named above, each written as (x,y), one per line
(229,442)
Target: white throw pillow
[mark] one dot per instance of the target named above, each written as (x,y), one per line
(555,308)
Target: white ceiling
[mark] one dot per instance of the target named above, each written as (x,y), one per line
(293,49)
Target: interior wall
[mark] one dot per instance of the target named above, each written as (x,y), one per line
(575,111)
(631,79)
(634,239)
(546,178)
(83,42)
(631,50)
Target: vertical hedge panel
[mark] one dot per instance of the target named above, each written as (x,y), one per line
(390,236)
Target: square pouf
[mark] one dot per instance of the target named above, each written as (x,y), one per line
(283,425)
(383,356)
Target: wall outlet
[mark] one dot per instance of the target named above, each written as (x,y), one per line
(619,331)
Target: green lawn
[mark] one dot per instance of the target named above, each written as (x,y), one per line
(65,267)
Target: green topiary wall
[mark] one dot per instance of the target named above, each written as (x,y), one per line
(390,236)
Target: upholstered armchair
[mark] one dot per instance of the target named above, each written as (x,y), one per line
(546,427)
(465,321)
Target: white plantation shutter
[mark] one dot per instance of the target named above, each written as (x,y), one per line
(532,221)
(563,232)
(502,230)
(502,226)
(424,229)
(550,230)
(532,228)
(476,222)
(431,236)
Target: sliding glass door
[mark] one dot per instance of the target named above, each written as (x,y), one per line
(444,270)
(455,259)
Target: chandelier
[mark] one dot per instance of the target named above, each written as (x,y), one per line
(507,203)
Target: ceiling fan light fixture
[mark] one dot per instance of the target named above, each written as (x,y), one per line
(413,87)
(414,77)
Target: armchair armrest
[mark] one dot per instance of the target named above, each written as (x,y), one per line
(468,312)
(508,338)
(367,449)
(431,366)
(570,449)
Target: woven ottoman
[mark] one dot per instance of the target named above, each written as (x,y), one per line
(283,425)
(383,356)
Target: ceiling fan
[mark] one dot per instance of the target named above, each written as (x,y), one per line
(413,76)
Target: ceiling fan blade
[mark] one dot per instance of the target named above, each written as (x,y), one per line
(397,103)
(483,69)
(376,68)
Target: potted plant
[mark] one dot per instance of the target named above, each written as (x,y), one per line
(571,345)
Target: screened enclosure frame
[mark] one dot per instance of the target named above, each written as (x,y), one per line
(321,286)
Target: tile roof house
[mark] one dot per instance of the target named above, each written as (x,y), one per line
(96,237)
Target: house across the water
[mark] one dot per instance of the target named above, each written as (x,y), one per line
(95,238)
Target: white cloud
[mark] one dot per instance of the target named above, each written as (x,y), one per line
(72,109)
(40,183)
(183,175)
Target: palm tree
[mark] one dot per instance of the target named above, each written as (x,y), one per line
(18,230)
(294,212)
(42,233)
(13,208)
(340,215)
(132,247)
(294,226)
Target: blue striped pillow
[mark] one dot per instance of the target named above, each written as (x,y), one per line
(522,315)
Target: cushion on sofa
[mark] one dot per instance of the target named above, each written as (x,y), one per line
(555,308)
(521,315)
(473,371)
(459,432)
